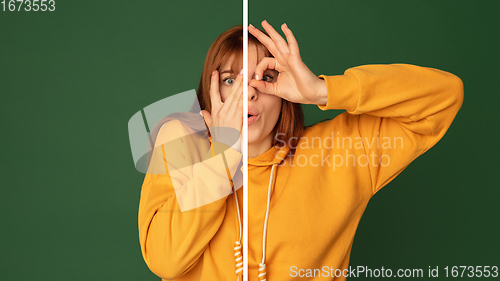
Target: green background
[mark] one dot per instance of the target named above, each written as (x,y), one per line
(71,79)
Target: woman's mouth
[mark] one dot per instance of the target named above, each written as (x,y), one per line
(252,118)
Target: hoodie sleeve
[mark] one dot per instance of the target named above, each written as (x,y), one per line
(173,240)
(400,110)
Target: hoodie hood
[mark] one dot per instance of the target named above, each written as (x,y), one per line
(274,155)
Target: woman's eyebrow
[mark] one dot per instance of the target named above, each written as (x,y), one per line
(226,71)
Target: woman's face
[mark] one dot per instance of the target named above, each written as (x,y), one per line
(265,109)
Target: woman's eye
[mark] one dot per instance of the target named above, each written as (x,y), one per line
(268,78)
(228,81)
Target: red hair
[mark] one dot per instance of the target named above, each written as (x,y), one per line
(290,124)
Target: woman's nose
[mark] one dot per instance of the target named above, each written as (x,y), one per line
(252,93)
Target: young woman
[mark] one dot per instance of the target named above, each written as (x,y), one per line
(308,187)
(202,243)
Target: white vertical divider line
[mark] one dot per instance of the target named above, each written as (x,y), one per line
(245,140)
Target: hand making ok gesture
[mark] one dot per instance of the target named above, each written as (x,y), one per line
(295,83)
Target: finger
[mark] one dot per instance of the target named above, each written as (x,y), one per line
(264,87)
(265,63)
(264,39)
(233,109)
(229,99)
(292,42)
(237,88)
(207,117)
(237,83)
(240,101)
(228,106)
(214,92)
(238,112)
(277,39)
(237,98)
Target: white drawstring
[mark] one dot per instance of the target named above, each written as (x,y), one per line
(237,245)
(262,265)
(238,210)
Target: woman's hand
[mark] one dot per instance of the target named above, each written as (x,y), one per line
(295,83)
(226,118)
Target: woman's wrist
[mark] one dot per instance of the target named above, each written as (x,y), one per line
(322,93)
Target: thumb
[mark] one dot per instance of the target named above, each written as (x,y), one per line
(207,116)
(263,87)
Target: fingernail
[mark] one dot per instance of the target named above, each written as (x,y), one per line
(241,72)
(256,77)
(213,72)
(285,25)
(201,114)
(251,26)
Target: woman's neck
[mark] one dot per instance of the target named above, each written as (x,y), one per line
(257,148)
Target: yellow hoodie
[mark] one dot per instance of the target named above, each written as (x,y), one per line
(394,113)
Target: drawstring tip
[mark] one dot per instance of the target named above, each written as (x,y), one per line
(239,259)
(262,272)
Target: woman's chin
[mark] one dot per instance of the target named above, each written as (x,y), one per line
(251,140)
(253,137)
